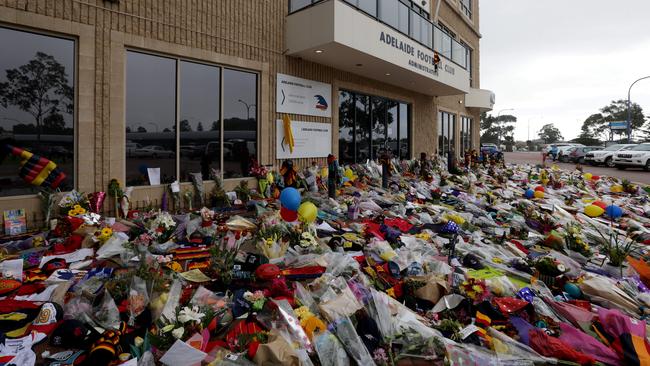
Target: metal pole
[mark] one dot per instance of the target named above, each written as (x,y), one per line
(629,111)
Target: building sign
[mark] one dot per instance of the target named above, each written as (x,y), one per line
(301,96)
(618,125)
(421,59)
(311,140)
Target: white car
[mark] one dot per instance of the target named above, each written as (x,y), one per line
(153,151)
(563,151)
(638,156)
(606,155)
(562,148)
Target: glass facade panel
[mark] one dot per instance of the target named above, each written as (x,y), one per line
(375,123)
(403,15)
(368,6)
(388,12)
(240,122)
(150,117)
(446,132)
(295,5)
(41,123)
(200,128)
(458,53)
(466,134)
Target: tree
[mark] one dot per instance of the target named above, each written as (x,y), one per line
(39,87)
(185,126)
(166,129)
(215,126)
(549,133)
(142,129)
(199,127)
(598,124)
(54,123)
(496,129)
(128,129)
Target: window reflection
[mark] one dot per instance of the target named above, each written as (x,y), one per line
(150,117)
(42,124)
(200,128)
(364,119)
(446,132)
(240,122)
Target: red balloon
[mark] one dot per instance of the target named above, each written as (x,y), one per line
(288,215)
(540,188)
(600,204)
(595,177)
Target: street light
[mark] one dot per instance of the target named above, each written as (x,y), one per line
(248,109)
(629,111)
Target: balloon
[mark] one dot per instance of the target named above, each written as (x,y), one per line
(595,177)
(290,198)
(616,189)
(587,176)
(307,212)
(349,174)
(288,215)
(539,194)
(529,193)
(614,211)
(600,204)
(593,211)
(539,189)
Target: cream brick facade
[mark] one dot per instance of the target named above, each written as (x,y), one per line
(241,33)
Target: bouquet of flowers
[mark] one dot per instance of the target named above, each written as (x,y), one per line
(162,227)
(475,290)
(255,299)
(575,240)
(186,322)
(74,203)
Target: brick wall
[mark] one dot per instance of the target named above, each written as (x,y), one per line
(230,32)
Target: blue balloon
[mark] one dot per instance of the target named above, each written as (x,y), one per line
(572,290)
(530,193)
(290,198)
(613,211)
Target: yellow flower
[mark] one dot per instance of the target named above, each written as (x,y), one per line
(81,211)
(77,207)
(477,288)
(391,292)
(72,213)
(107,232)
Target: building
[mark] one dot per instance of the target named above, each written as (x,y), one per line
(194,85)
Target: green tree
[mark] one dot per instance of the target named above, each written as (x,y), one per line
(497,129)
(215,126)
(39,87)
(142,129)
(549,133)
(185,126)
(598,124)
(199,127)
(54,124)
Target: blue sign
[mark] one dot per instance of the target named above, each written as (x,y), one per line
(618,125)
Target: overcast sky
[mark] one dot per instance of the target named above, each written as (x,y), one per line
(559,61)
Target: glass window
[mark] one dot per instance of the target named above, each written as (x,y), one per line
(368,6)
(392,127)
(347,106)
(426,33)
(446,132)
(403,15)
(466,6)
(362,128)
(150,117)
(458,53)
(388,12)
(382,121)
(240,122)
(415,26)
(466,134)
(404,148)
(445,47)
(295,5)
(379,108)
(200,128)
(41,123)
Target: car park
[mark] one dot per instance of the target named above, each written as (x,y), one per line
(606,155)
(563,151)
(577,153)
(636,157)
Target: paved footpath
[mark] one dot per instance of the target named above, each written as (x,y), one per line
(635,175)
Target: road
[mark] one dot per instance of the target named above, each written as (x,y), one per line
(634,175)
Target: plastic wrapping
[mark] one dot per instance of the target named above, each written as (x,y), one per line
(138,298)
(344,330)
(330,351)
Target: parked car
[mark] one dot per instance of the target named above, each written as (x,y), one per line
(638,156)
(606,155)
(153,151)
(491,150)
(191,151)
(577,153)
(131,147)
(563,152)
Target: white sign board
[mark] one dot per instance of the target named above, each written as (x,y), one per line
(301,96)
(311,140)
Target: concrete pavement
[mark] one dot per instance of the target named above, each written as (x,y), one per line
(634,175)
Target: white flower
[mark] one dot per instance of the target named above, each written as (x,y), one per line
(190,314)
(248,296)
(178,333)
